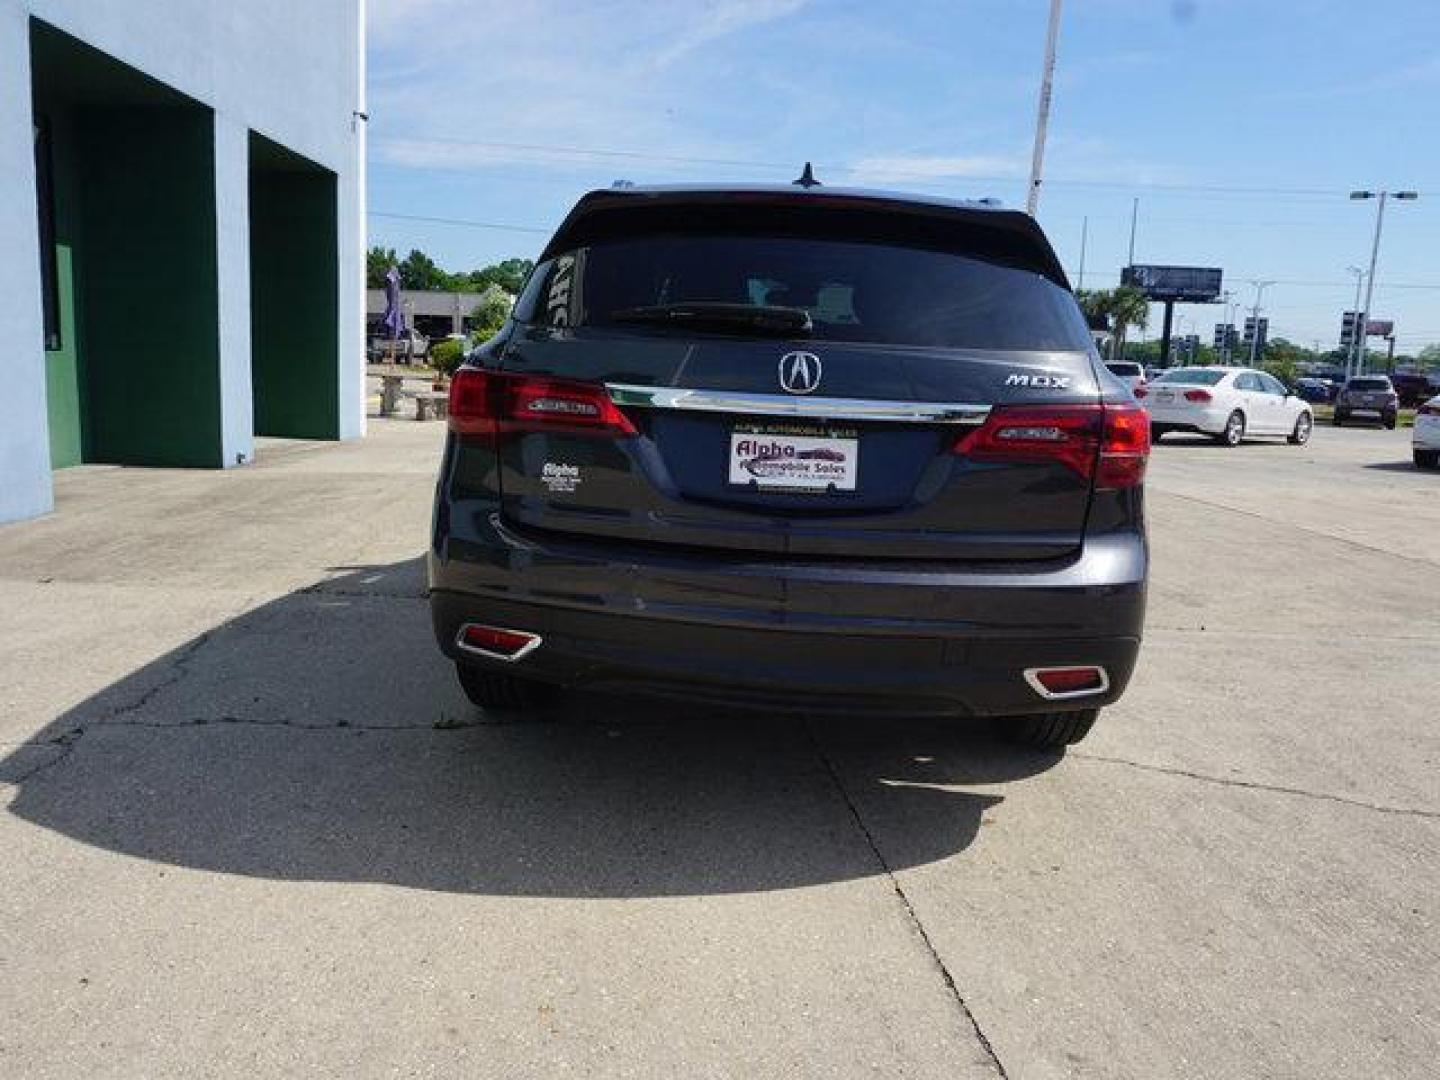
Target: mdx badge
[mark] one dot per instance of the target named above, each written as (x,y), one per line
(1040,382)
(800,372)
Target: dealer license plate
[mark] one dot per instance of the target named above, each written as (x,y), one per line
(794,457)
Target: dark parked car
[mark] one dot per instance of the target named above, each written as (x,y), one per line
(1368,396)
(1412,388)
(1315,391)
(809,449)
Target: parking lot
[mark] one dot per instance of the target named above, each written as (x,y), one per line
(251,827)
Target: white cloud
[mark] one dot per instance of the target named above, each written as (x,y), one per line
(720,19)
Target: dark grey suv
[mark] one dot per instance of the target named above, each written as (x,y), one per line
(811,449)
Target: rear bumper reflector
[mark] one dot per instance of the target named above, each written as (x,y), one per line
(495,643)
(1063,683)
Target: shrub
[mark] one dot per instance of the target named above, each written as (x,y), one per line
(445,356)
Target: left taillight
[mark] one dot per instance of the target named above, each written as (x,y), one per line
(494,403)
(1108,444)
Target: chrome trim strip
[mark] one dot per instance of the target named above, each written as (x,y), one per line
(1032,676)
(784,405)
(524,650)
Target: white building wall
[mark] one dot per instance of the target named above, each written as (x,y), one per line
(24,432)
(292,70)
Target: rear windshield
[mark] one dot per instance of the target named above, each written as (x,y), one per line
(1369,384)
(853,291)
(1192,377)
(1125,369)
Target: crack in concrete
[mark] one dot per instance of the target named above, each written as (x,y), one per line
(296,725)
(1256,785)
(905,903)
(177,672)
(1280,635)
(67,740)
(320,589)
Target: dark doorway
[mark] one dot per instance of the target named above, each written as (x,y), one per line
(127,220)
(294,294)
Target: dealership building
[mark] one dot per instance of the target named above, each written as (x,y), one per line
(181,233)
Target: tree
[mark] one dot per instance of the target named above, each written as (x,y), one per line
(418,271)
(378,260)
(1127,307)
(509,274)
(1282,359)
(492,311)
(1119,308)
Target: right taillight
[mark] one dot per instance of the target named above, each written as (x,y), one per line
(1124,448)
(1201,397)
(494,403)
(1141,393)
(1108,444)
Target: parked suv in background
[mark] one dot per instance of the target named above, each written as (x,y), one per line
(1368,395)
(796,448)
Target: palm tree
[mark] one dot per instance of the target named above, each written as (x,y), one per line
(1127,307)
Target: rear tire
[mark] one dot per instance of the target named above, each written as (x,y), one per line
(1234,433)
(1390,422)
(500,689)
(1339,419)
(1303,426)
(1051,731)
(1427,459)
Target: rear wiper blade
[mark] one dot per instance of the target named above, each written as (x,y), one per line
(763,317)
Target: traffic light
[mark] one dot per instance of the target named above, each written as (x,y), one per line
(1256,331)
(1349,330)
(1222,335)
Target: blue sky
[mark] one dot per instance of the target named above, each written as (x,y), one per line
(1239,124)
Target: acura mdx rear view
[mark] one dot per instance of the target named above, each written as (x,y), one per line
(795,448)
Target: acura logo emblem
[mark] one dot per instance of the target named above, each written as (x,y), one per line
(800,372)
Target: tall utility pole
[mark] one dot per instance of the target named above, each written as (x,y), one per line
(1042,118)
(1260,287)
(1134,213)
(1374,254)
(1084,236)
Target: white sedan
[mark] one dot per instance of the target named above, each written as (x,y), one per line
(1228,404)
(1427,435)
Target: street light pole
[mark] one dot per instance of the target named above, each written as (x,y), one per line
(1260,287)
(1042,118)
(1354,336)
(1374,255)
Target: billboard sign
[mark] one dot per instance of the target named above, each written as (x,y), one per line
(1379,327)
(1187,284)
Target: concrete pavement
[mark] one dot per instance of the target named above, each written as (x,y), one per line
(253,828)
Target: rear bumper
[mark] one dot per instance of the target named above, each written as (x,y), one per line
(1207,421)
(1380,410)
(816,636)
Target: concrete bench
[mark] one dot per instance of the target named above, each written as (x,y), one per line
(390,386)
(430,403)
